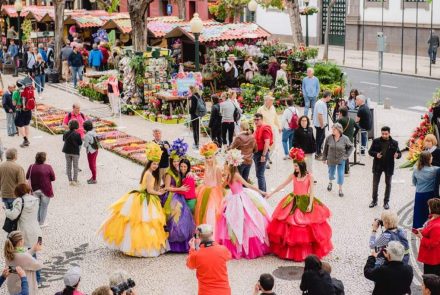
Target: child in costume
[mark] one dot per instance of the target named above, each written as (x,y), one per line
(210,194)
(189,181)
(137,220)
(180,222)
(245,215)
(299,225)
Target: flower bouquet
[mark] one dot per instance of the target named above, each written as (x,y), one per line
(415,143)
(308,10)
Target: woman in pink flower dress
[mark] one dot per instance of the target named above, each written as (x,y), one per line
(244,216)
(299,225)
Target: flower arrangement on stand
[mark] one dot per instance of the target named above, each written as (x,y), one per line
(308,10)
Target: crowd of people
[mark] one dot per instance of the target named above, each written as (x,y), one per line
(224,216)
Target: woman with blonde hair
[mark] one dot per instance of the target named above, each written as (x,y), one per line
(430,145)
(389,221)
(16,255)
(423,178)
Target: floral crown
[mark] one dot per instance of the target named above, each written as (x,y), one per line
(234,157)
(153,152)
(209,149)
(297,155)
(178,149)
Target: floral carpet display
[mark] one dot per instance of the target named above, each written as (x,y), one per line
(50,119)
(429,124)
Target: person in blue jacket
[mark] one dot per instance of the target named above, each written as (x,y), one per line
(21,274)
(95,57)
(42,52)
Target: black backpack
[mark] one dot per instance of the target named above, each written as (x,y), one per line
(95,144)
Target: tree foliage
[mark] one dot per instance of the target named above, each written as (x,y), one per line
(224,9)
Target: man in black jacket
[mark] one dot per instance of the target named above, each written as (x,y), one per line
(384,150)
(393,277)
(76,65)
(197,111)
(9,108)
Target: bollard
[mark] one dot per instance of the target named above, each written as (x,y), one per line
(387,103)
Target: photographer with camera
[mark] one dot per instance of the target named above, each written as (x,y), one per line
(20,272)
(209,260)
(265,285)
(393,277)
(121,284)
(388,220)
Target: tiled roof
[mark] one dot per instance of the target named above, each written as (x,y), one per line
(123,25)
(225,32)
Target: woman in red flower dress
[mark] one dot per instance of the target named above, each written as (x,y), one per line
(299,225)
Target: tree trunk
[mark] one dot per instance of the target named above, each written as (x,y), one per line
(327,29)
(295,22)
(59,22)
(137,10)
(181,6)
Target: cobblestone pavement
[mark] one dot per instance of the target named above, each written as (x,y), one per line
(76,213)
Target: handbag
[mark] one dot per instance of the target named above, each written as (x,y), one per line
(12,225)
(29,180)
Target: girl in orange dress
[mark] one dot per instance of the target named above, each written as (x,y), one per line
(210,194)
(299,225)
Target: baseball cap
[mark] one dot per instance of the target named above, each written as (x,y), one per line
(72,276)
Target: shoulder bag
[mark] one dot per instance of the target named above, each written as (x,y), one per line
(12,225)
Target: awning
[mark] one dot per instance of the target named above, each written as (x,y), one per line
(222,32)
(123,25)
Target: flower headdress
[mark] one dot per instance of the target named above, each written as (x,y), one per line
(153,152)
(297,154)
(209,149)
(178,149)
(234,157)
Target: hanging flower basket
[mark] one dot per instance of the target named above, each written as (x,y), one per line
(309,10)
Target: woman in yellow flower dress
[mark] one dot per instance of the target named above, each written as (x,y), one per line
(210,194)
(137,220)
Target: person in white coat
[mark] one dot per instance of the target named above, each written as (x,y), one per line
(282,75)
(28,221)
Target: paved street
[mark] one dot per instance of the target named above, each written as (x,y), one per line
(406,92)
(76,213)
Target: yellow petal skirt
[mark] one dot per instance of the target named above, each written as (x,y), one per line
(136,226)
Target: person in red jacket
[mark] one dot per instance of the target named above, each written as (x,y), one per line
(209,260)
(429,252)
(105,54)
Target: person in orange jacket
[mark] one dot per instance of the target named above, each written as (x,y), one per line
(209,259)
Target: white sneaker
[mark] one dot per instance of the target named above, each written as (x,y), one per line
(71,183)
(76,183)
(44,225)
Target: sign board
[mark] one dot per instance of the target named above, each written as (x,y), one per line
(184,84)
(41,34)
(169,9)
(183,80)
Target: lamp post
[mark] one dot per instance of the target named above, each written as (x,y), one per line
(252,6)
(196,25)
(18,7)
(306,2)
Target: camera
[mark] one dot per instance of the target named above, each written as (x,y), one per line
(12,269)
(379,221)
(122,287)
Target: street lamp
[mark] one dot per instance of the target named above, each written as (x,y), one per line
(196,25)
(18,7)
(252,6)
(306,2)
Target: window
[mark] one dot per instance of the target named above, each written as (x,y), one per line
(421,4)
(377,3)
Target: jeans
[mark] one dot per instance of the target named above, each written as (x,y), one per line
(72,159)
(244,170)
(8,202)
(77,72)
(364,141)
(228,128)
(44,204)
(38,272)
(340,168)
(376,180)
(433,54)
(39,81)
(309,102)
(195,122)
(91,158)
(287,139)
(320,137)
(260,168)
(10,123)
(216,134)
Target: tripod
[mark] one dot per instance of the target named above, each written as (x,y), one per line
(356,142)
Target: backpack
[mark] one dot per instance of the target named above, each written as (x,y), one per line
(28,98)
(95,144)
(293,123)
(200,107)
(394,236)
(69,116)
(237,114)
